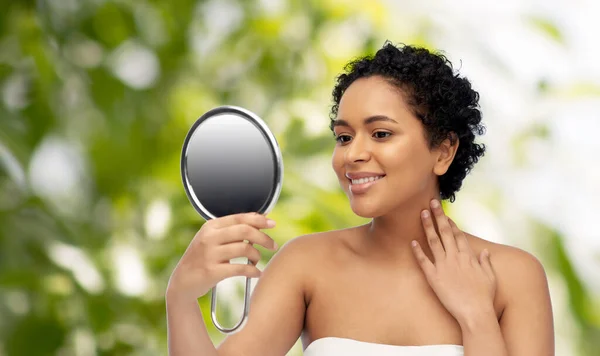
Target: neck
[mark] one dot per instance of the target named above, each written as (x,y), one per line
(388,237)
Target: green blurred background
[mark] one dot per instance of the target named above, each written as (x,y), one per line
(97,97)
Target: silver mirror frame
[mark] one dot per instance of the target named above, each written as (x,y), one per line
(207,215)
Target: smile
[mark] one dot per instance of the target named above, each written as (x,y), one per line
(365,180)
(362,185)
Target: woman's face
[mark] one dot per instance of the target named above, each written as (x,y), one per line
(378,135)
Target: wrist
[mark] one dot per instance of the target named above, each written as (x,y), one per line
(175,296)
(478,319)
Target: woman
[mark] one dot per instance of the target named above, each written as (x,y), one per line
(405,126)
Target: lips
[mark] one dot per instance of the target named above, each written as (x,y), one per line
(365,180)
(362,187)
(359,175)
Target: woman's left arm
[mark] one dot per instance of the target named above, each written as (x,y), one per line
(527,321)
(466,286)
(526,326)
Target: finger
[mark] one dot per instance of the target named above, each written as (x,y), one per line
(237,269)
(486,264)
(257,220)
(426,265)
(445,231)
(432,238)
(225,253)
(237,233)
(461,239)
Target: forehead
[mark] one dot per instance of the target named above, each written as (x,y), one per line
(372,96)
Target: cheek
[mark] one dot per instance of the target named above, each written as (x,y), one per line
(337,162)
(408,165)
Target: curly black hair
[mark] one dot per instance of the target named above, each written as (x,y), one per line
(444,102)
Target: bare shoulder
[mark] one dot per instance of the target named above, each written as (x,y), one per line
(522,285)
(516,269)
(318,241)
(313,247)
(279,301)
(310,251)
(508,260)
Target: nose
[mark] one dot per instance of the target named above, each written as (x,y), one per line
(357,150)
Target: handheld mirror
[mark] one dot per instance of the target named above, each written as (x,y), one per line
(231,163)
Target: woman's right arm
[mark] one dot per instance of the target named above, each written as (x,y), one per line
(187,333)
(277,304)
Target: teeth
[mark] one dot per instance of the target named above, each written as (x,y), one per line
(365,180)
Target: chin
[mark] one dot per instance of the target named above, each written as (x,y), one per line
(366,208)
(366,215)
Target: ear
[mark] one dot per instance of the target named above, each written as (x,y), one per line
(445,153)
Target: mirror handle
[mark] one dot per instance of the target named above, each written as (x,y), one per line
(244,319)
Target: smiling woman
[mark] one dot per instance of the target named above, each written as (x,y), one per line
(410,282)
(444,104)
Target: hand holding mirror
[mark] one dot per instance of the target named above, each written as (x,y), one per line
(231,164)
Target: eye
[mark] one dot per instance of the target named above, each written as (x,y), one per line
(378,134)
(382,132)
(340,138)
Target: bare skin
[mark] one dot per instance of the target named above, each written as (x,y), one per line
(364,282)
(354,295)
(373,279)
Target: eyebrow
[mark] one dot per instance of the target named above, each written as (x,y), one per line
(367,121)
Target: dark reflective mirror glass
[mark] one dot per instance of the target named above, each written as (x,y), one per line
(231,164)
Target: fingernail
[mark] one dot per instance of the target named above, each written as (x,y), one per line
(275,245)
(486,252)
(434,203)
(270,223)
